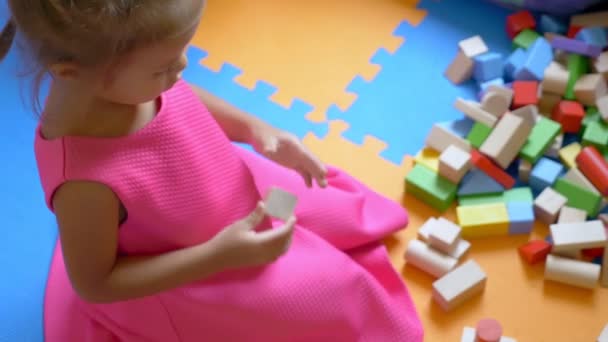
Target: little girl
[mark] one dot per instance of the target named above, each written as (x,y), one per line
(163,231)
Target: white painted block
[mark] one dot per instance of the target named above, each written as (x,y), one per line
(425,230)
(474,111)
(444,236)
(548,204)
(454,163)
(571,215)
(424,257)
(579,235)
(440,138)
(603,335)
(572,272)
(473,46)
(280,203)
(459,285)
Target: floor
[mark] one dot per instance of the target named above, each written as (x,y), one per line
(361,83)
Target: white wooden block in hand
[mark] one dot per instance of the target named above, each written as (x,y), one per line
(280,203)
(603,335)
(572,272)
(454,163)
(578,235)
(444,236)
(473,46)
(548,204)
(430,260)
(459,285)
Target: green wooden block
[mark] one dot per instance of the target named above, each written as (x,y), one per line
(429,187)
(478,134)
(480,199)
(522,194)
(579,197)
(577,66)
(525,39)
(592,115)
(596,134)
(542,136)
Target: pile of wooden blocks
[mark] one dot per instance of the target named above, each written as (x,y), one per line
(532,147)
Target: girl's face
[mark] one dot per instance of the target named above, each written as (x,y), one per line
(145,73)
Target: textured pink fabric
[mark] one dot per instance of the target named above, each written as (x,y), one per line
(181,181)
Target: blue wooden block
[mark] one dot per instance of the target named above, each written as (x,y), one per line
(598,260)
(476,182)
(497,81)
(593,36)
(544,173)
(460,127)
(514,62)
(488,66)
(538,58)
(552,24)
(521,217)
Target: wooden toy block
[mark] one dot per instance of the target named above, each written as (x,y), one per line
(497,82)
(473,46)
(602,105)
(592,36)
(429,158)
(280,203)
(578,235)
(570,115)
(555,79)
(518,22)
(504,92)
(430,187)
(593,252)
(575,176)
(495,103)
(542,135)
(483,220)
(440,138)
(552,24)
(567,154)
(427,259)
(529,113)
(593,165)
(579,197)
(589,88)
(577,66)
(537,58)
(520,194)
(454,163)
(547,102)
(462,247)
(488,167)
(487,66)
(548,204)
(525,93)
(521,217)
(535,251)
(571,215)
(599,19)
(515,62)
(603,335)
(480,199)
(600,64)
(488,330)
(444,236)
(474,111)
(544,173)
(476,182)
(576,46)
(525,39)
(459,285)
(425,230)
(460,69)
(478,134)
(571,272)
(470,335)
(459,127)
(573,30)
(509,135)
(553,151)
(524,170)
(604,280)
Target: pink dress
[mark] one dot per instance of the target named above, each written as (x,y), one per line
(181,181)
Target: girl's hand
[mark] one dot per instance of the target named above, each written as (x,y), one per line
(239,245)
(287,150)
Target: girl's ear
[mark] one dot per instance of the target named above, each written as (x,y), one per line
(65,70)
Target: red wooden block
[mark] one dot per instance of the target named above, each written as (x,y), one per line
(518,22)
(488,167)
(591,163)
(570,114)
(535,251)
(593,252)
(573,31)
(524,93)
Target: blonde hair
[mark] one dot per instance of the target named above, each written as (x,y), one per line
(87,32)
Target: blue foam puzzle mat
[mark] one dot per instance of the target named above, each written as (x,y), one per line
(410,93)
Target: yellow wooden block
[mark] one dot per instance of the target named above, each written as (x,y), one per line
(568,154)
(483,220)
(429,158)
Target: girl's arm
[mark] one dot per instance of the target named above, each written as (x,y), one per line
(87,215)
(238,125)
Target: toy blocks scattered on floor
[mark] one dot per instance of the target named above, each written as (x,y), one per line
(535,148)
(486,330)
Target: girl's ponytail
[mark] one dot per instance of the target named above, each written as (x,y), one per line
(6,38)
